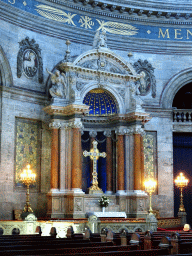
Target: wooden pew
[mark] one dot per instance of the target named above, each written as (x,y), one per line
(181,244)
(154,252)
(77,250)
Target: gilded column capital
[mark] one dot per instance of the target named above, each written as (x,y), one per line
(93,134)
(65,126)
(107,133)
(138,130)
(55,125)
(124,131)
(76,124)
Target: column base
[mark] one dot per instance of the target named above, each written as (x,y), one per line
(55,204)
(109,193)
(183,216)
(137,204)
(121,193)
(77,191)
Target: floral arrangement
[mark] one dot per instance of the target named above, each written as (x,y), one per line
(104,201)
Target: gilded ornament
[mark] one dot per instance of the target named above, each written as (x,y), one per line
(86,22)
(117,28)
(94,155)
(55,14)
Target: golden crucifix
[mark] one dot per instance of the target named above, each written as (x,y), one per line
(94,155)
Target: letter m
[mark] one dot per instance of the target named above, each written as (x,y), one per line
(166,33)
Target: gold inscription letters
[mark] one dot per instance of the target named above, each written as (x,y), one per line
(178,33)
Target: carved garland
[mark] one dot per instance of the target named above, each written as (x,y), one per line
(30,53)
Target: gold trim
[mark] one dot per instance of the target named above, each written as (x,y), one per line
(117,28)
(55,14)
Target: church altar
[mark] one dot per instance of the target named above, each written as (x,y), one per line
(108,214)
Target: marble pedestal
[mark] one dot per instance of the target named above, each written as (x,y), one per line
(137,204)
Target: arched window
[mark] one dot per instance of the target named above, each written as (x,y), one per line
(183,98)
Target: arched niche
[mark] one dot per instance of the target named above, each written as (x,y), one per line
(173,86)
(101,103)
(111,90)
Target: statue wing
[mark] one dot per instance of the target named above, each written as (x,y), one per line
(65,78)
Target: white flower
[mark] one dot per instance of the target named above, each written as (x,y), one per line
(104,201)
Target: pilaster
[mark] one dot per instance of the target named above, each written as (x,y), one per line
(109,161)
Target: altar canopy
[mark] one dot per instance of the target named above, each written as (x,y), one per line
(101,105)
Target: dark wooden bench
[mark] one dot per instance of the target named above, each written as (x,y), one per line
(154,252)
(49,250)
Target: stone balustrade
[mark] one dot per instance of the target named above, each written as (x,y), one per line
(182,115)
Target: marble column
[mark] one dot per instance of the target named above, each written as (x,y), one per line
(138,161)
(109,161)
(55,157)
(54,204)
(120,163)
(142,164)
(76,158)
(65,158)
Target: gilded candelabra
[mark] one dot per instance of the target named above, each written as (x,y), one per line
(27,178)
(150,186)
(181,182)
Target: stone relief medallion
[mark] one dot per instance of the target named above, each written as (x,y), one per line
(30,63)
(147,81)
(29,60)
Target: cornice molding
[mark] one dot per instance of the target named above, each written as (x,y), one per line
(153,10)
(24,95)
(82,36)
(67,110)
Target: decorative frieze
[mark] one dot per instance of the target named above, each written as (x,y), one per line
(67,110)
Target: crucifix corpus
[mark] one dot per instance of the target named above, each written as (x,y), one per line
(94,155)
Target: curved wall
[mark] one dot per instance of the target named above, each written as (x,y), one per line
(148,31)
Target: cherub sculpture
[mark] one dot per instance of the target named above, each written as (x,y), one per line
(59,81)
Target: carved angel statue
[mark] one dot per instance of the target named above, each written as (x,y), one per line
(59,82)
(136,97)
(100,39)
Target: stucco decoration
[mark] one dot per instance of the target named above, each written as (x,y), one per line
(29,60)
(99,68)
(147,82)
